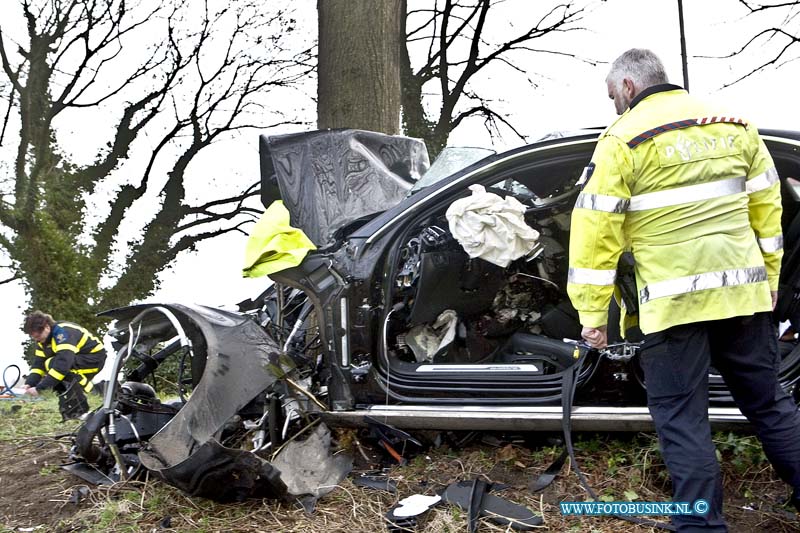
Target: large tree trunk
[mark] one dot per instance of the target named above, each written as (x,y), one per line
(359,64)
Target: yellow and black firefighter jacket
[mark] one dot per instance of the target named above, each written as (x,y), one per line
(694,195)
(70,352)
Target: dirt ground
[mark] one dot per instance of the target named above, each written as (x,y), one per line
(36,493)
(35,490)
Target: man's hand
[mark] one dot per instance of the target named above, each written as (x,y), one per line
(31,390)
(774,295)
(596,337)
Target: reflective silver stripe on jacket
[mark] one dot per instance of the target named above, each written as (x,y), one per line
(687,194)
(765,180)
(601,202)
(700,282)
(771,244)
(589,276)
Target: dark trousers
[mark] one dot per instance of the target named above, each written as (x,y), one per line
(675,363)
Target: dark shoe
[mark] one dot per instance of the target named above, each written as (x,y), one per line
(72,403)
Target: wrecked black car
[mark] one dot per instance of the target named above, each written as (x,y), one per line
(391,317)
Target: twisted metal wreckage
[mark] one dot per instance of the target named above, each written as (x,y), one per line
(384,311)
(244,423)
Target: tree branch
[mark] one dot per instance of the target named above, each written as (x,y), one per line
(778,29)
(8,114)
(250,192)
(211,216)
(772,61)
(190,241)
(113,35)
(459,51)
(762,7)
(7,245)
(9,280)
(490,116)
(13,76)
(126,133)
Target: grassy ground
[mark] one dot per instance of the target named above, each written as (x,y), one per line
(38,494)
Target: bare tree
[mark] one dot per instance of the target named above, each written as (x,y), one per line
(203,76)
(457,49)
(777,43)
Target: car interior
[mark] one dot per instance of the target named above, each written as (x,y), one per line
(464,326)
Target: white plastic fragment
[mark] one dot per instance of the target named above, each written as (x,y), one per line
(415,505)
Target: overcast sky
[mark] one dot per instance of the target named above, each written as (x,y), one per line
(568,95)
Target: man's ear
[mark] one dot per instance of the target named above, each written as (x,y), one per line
(629,88)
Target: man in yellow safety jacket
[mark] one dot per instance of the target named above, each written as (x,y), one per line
(66,359)
(693,193)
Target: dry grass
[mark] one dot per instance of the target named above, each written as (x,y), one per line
(617,467)
(613,467)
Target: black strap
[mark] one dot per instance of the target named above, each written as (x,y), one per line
(567,397)
(568,385)
(547,477)
(479,488)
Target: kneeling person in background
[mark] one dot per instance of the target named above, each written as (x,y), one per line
(67,357)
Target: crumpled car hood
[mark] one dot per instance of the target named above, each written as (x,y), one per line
(329,179)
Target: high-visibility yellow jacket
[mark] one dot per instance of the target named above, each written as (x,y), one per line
(70,349)
(695,196)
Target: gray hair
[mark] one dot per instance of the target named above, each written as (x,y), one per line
(640,65)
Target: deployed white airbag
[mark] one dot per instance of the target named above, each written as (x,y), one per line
(491,227)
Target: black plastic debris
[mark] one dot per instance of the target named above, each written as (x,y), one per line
(460,439)
(308,503)
(400,525)
(377,482)
(225,475)
(394,441)
(78,494)
(88,472)
(474,498)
